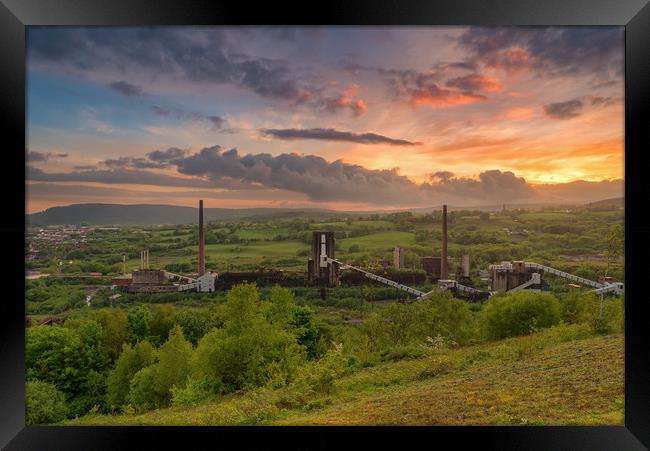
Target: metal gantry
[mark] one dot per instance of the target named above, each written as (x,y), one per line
(600,288)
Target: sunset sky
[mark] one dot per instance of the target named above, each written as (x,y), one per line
(329,117)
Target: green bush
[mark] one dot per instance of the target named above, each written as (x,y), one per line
(195,324)
(519,314)
(142,392)
(605,316)
(395,353)
(151,386)
(319,377)
(441,364)
(256,344)
(248,359)
(72,358)
(44,403)
(196,391)
(574,307)
(130,361)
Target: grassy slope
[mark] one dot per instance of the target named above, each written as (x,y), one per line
(559,376)
(577,382)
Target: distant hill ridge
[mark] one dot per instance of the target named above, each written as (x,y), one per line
(104,214)
(147,214)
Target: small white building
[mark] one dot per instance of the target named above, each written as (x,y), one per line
(202,284)
(206,283)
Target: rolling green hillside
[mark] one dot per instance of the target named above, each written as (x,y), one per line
(563,375)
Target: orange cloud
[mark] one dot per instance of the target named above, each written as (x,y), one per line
(446,99)
(476,82)
(519,113)
(346,100)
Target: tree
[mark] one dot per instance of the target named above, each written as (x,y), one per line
(519,313)
(279,309)
(114,324)
(307,330)
(72,358)
(160,323)
(142,393)
(151,386)
(138,323)
(195,324)
(172,368)
(44,403)
(241,308)
(615,244)
(250,350)
(130,361)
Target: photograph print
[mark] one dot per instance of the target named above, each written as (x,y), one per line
(324,225)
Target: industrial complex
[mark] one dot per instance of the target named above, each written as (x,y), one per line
(324,270)
(147,280)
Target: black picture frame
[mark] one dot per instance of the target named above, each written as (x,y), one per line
(15,15)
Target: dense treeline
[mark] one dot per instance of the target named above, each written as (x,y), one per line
(152,356)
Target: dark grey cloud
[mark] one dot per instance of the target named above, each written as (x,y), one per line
(330,134)
(491,185)
(442,176)
(564,110)
(116,175)
(595,51)
(215,122)
(127,89)
(322,181)
(198,55)
(134,162)
(166,155)
(602,101)
(160,111)
(35,156)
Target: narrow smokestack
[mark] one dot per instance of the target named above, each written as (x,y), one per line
(201,241)
(443,254)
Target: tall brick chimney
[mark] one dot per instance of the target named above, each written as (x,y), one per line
(201,241)
(443,255)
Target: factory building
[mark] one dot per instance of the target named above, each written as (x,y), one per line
(506,275)
(437,267)
(462,271)
(122,281)
(147,280)
(431,266)
(398,257)
(150,281)
(148,277)
(321,272)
